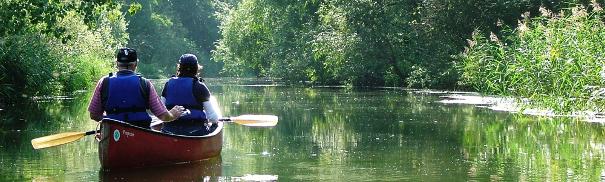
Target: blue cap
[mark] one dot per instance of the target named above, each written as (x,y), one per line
(188,59)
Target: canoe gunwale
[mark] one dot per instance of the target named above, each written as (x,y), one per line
(212,134)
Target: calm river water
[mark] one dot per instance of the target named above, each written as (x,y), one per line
(326,134)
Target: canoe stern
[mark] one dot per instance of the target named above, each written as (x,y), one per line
(125,146)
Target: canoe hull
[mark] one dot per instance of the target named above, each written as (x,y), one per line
(122,145)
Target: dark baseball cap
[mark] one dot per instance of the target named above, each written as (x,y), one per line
(188,59)
(126,55)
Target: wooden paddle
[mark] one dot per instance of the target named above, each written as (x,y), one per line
(58,139)
(253,120)
(248,119)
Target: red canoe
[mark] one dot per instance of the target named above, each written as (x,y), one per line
(122,145)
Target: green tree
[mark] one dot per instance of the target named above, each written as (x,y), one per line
(198,18)
(51,47)
(164,30)
(267,38)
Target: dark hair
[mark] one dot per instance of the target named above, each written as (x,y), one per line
(125,65)
(187,70)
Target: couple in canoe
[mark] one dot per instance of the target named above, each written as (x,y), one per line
(126,96)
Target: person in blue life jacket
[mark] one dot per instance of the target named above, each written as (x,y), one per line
(126,96)
(189,91)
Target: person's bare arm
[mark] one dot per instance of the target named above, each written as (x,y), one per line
(158,109)
(173,114)
(213,113)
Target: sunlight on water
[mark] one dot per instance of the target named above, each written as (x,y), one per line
(327,134)
(512,105)
(255,177)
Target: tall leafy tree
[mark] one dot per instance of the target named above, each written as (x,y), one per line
(164,30)
(54,47)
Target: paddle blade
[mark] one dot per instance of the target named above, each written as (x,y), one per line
(256,120)
(56,139)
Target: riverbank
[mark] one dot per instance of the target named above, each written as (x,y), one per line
(516,105)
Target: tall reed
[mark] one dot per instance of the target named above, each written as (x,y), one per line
(555,60)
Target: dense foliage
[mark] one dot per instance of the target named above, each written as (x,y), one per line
(556,59)
(552,57)
(542,50)
(359,42)
(162,31)
(49,47)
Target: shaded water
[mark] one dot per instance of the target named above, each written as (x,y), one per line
(329,134)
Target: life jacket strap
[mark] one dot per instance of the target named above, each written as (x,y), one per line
(125,110)
(105,89)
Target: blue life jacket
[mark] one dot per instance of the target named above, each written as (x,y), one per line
(125,97)
(179,91)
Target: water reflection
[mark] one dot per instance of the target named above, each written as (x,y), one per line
(343,134)
(329,134)
(205,170)
(537,148)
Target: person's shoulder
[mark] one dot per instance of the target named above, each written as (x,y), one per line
(201,82)
(106,76)
(145,81)
(196,79)
(141,76)
(104,79)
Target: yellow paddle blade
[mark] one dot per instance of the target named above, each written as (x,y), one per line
(56,139)
(256,120)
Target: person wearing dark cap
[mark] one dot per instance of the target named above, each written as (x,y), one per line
(126,96)
(188,90)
